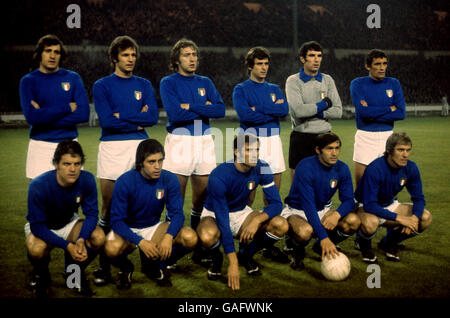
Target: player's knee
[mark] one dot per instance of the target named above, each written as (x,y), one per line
(208,235)
(425,220)
(113,248)
(303,233)
(36,248)
(97,238)
(369,224)
(351,223)
(278,226)
(189,237)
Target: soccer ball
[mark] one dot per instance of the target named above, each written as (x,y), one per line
(335,269)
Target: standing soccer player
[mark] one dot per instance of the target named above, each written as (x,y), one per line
(313,100)
(190,100)
(54,198)
(259,106)
(308,205)
(53,101)
(140,196)
(227,215)
(377,193)
(125,104)
(378,102)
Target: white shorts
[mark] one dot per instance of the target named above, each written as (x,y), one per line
(62,232)
(271,151)
(288,211)
(145,232)
(369,145)
(188,155)
(392,207)
(115,158)
(236,218)
(39,157)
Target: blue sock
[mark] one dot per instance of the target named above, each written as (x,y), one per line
(262,239)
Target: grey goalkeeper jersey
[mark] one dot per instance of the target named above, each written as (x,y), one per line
(302,98)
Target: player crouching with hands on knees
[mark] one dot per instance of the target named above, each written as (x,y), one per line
(308,205)
(53,201)
(377,190)
(139,198)
(226,214)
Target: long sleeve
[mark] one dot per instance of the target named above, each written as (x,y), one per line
(81,114)
(244,110)
(174,206)
(214,110)
(335,111)
(346,193)
(144,119)
(271,194)
(89,206)
(43,115)
(365,112)
(105,111)
(217,191)
(414,187)
(297,106)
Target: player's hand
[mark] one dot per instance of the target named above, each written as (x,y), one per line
(73,106)
(411,222)
(149,248)
(248,233)
(279,101)
(364,103)
(252,108)
(74,252)
(116,115)
(144,109)
(208,103)
(140,128)
(393,108)
(233,272)
(35,105)
(165,246)
(328,248)
(81,247)
(184,106)
(330,222)
(328,101)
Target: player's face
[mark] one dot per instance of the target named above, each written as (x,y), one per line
(259,71)
(400,155)
(50,58)
(311,64)
(329,155)
(249,157)
(188,61)
(126,61)
(377,70)
(152,166)
(68,169)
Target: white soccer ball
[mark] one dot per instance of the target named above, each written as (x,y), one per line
(337,268)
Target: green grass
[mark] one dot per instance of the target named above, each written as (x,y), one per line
(423,271)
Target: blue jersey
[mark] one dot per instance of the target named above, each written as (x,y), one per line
(380,184)
(228,191)
(379,96)
(54,121)
(313,187)
(196,90)
(51,206)
(128,97)
(139,202)
(256,108)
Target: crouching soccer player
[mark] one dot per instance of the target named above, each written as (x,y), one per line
(383,179)
(138,201)
(226,214)
(308,205)
(53,201)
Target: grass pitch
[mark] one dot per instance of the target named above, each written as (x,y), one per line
(422,272)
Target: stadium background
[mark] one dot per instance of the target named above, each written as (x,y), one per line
(415,34)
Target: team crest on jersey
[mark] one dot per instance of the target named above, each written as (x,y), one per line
(159,194)
(403,181)
(389,93)
(333,183)
(323,94)
(251,185)
(137,95)
(201,91)
(65,86)
(274,97)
